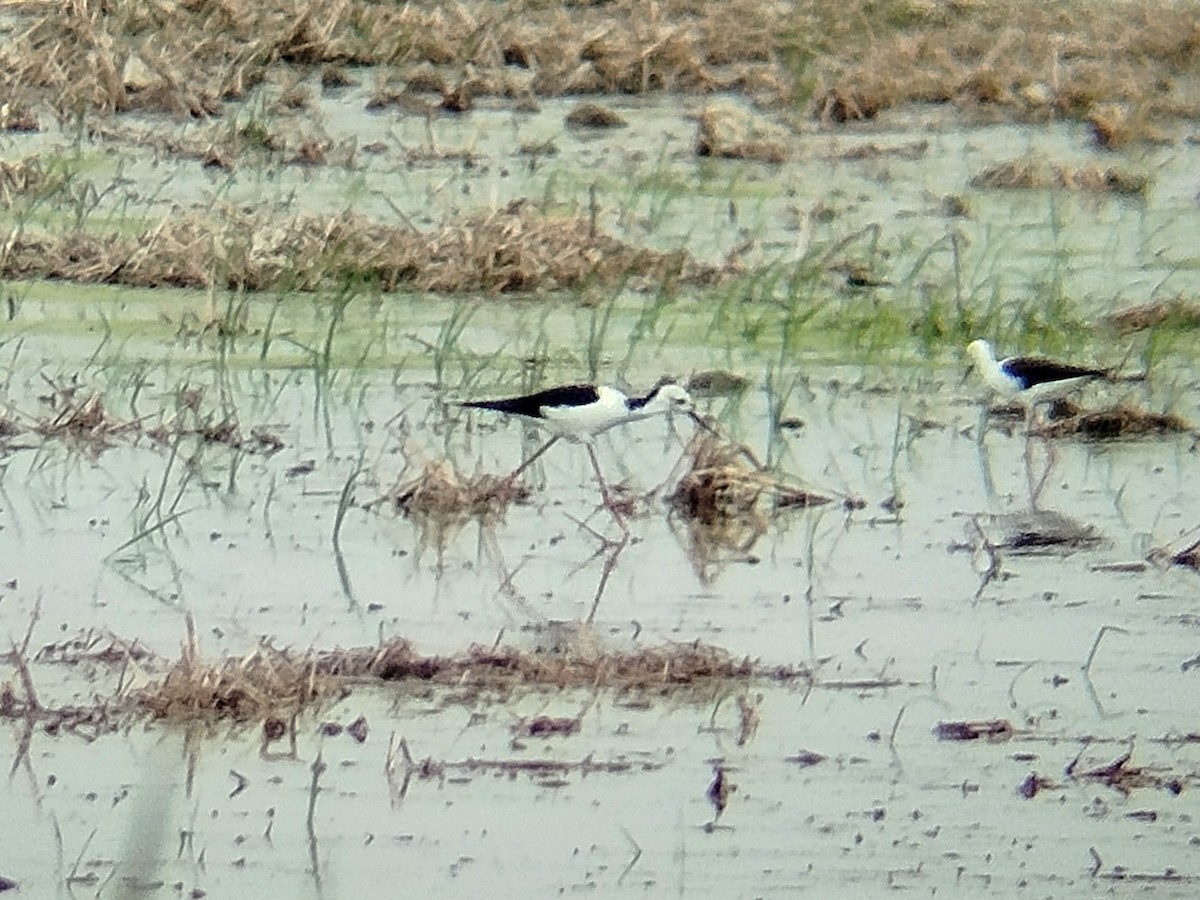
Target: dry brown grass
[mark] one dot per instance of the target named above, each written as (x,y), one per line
(271,683)
(189,58)
(728,132)
(512,250)
(650,668)
(78,417)
(1121,421)
(266,682)
(725,482)
(1035,173)
(19,178)
(440,492)
(727,501)
(1012,59)
(1179,312)
(1016,58)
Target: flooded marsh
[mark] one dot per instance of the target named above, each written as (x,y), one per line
(275,614)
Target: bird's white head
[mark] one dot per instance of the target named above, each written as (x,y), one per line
(981,354)
(671,398)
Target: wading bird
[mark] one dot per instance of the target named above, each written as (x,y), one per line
(580,412)
(1028,379)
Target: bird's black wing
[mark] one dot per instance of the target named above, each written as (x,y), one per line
(1030,371)
(532,405)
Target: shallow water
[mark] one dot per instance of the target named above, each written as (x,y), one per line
(861,595)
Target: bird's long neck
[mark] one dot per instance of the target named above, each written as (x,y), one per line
(637,405)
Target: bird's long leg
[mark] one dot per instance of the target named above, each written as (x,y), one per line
(607,497)
(1029,454)
(610,563)
(1051,461)
(516,473)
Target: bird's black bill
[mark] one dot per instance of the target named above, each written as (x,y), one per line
(702,423)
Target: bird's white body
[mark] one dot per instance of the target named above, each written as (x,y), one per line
(580,412)
(583,422)
(1028,379)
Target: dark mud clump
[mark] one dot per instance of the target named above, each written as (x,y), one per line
(988,729)
(593,115)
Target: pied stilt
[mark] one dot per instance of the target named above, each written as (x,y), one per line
(580,412)
(1030,380)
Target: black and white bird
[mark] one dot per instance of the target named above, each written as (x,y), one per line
(580,412)
(1028,379)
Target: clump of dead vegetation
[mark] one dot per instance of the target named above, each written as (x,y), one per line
(1119,774)
(17,117)
(593,115)
(724,481)
(1122,421)
(1032,172)
(79,417)
(20,701)
(649,668)
(729,132)
(989,729)
(515,249)
(18,179)
(1178,312)
(1014,58)
(267,682)
(189,59)
(727,500)
(439,492)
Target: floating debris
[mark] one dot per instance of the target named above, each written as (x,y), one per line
(1031,533)
(1119,774)
(805,758)
(1188,557)
(990,729)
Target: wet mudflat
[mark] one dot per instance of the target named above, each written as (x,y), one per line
(240,656)
(892,610)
